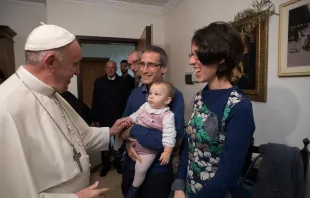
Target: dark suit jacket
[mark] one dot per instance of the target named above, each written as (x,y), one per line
(109,100)
(130,83)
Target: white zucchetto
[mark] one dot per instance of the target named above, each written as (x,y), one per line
(47,37)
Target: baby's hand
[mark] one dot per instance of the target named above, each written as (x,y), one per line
(164,158)
(125,125)
(126,122)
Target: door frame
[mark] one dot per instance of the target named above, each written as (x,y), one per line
(79,77)
(99,40)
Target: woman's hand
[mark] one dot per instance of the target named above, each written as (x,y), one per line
(179,194)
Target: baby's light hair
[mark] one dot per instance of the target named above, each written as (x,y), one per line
(168,86)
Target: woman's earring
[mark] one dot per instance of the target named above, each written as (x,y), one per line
(220,67)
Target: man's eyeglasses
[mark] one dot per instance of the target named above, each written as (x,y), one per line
(193,54)
(149,65)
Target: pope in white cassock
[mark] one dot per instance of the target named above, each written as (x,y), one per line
(44,142)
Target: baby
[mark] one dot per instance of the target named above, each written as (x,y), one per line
(153,114)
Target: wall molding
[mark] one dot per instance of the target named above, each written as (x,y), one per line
(108,3)
(24,4)
(170,4)
(119,4)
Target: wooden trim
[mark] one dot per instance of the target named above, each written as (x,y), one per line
(152,33)
(106,40)
(148,34)
(7,32)
(99,40)
(79,77)
(91,59)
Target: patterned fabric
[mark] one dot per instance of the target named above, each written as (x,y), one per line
(205,141)
(175,165)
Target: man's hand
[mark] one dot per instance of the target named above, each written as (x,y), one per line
(126,122)
(132,153)
(164,158)
(179,194)
(125,134)
(92,192)
(117,127)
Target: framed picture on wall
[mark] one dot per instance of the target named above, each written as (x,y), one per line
(294,38)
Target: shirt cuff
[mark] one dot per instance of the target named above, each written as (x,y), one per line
(178,184)
(106,137)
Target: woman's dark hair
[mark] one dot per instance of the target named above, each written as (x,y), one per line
(216,42)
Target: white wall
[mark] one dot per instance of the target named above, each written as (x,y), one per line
(116,53)
(98,20)
(285,116)
(22,18)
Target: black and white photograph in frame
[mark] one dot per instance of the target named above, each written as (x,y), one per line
(294,38)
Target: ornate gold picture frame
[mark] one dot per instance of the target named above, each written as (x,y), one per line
(254,31)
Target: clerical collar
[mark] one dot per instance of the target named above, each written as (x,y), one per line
(113,78)
(34,83)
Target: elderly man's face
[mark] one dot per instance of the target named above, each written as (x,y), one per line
(67,67)
(110,69)
(133,59)
(149,72)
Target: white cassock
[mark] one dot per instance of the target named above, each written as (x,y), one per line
(36,158)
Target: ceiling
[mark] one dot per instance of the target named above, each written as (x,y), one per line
(36,1)
(148,2)
(145,2)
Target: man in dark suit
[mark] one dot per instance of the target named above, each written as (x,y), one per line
(109,101)
(125,75)
(129,80)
